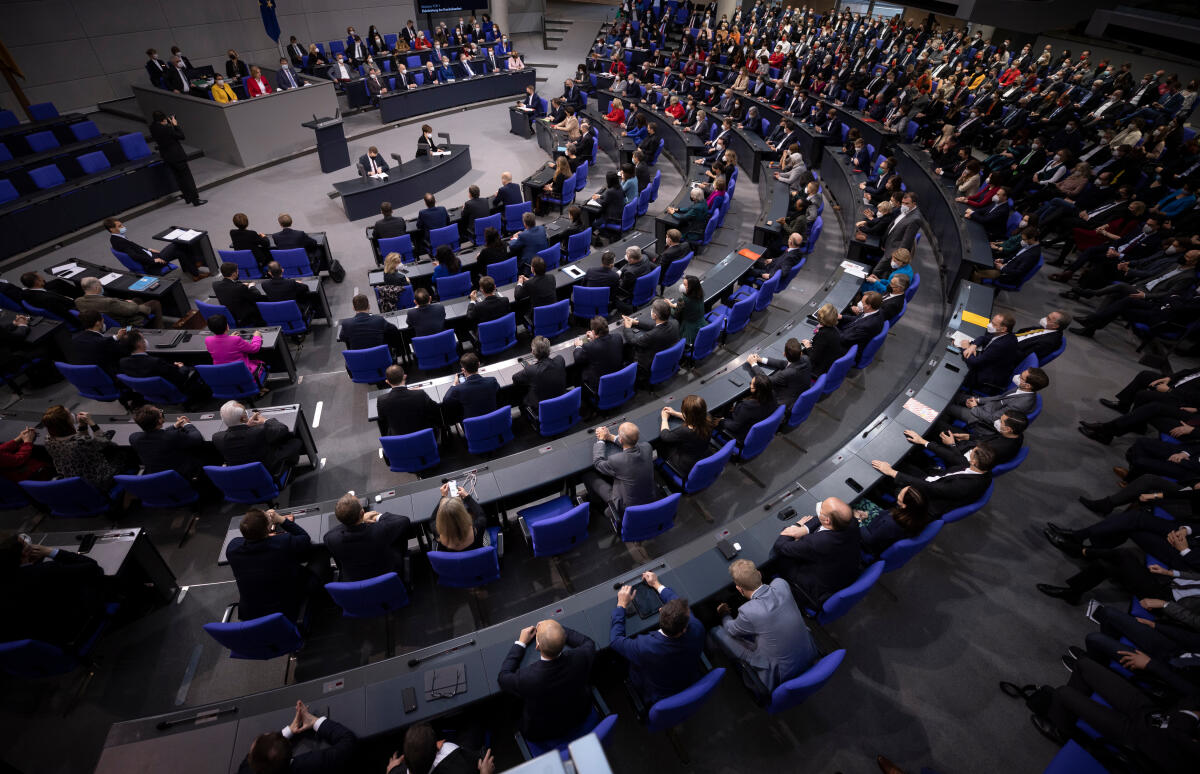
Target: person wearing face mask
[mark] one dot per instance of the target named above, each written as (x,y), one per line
(689,308)
(993,217)
(1044,338)
(964,480)
(425,143)
(1011,270)
(1005,436)
(235,69)
(991,358)
(1136,302)
(339,70)
(221,92)
(286,78)
(1104,263)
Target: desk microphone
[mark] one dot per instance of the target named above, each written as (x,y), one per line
(412,662)
(196,718)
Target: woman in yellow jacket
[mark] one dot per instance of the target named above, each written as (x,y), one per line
(221,92)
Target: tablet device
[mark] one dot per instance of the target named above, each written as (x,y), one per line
(646,600)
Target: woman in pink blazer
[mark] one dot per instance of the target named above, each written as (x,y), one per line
(228,348)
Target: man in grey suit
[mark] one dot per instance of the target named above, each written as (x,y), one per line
(769,634)
(986,410)
(620,477)
(902,231)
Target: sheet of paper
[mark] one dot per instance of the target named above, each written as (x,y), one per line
(854,269)
(174,234)
(920,409)
(960,339)
(107,278)
(189,234)
(67,269)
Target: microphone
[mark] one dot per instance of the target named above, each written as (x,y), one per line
(412,662)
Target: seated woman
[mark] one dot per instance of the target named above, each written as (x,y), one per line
(445,262)
(826,344)
(682,447)
(78,448)
(675,108)
(881,527)
(750,410)
(616,112)
(224,347)
(459,523)
(689,309)
(221,92)
(391,270)
(898,264)
(20,460)
(562,171)
(515,62)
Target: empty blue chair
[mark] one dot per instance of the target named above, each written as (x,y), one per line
(673,710)
(513,214)
(531,749)
(551,320)
(90,380)
(483,224)
(247,484)
(1012,464)
(556,526)
(230,381)
(958,514)
(1053,355)
(705,342)
(899,553)
(42,111)
(581,175)
(642,522)
(617,388)
(568,195)
(401,244)
(628,218)
(702,475)
(587,303)
(45,177)
(446,235)
(165,489)
(838,370)
(246,262)
(435,351)
(466,569)
(654,185)
(136,267)
(453,286)
(503,272)
(645,286)
(676,271)
(371,598)
(760,435)
(579,245)
(872,347)
(643,201)
(368,366)
(497,335)
(84,130)
(207,310)
(488,432)
(294,262)
(551,255)
(666,363)
(1074,759)
(40,142)
(805,402)
(558,415)
(70,497)
(410,453)
(736,317)
(840,602)
(791,275)
(259,639)
(286,315)
(710,228)
(8,192)
(133,146)
(93,163)
(791,693)
(154,389)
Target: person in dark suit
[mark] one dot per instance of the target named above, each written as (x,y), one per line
(820,554)
(389,225)
(403,411)
(252,438)
(176,78)
(963,481)
(604,275)
(664,662)
(157,69)
(636,265)
(425,143)
(526,244)
(541,289)
(286,78)
(141,365)
(242,238)
(268,563)
(486,304)
(544,378)
(240,299)
(473,208)
(180,447)
(675,249)
(598,354)
(367,544)
(288,238)
(151,261)
(651,338)
(90,346)
(276,287)
(50,594)
(365,330)
(866,326)
(36,294)
(235,68)
(272,751)
(993,217)
(372,162)
(826,344)
(427,318)
(471,395)
(433,216)
(681,447)
(902,230)
(749,411)
(554,688)
(168,137)
(793,374)
(1044,338)
(991,358)
(424,752)
(611,201)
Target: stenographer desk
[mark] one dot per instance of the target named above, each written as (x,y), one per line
(166,290)
(43,332)
(187,347)
(406,183)
(410,103)
(199,245)
(127,555)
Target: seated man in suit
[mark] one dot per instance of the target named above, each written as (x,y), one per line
(35,293)
(180,448)
(650,338)
(252,438)
(141,365)
(269,564)
(389,225)
(1023,260)
(541,289)
(1005,436)
(124,312)
(403,411)
(242,238)
(90,346)
(692,219)
(769,634)
(664,662)
(526,244)
(544,378)
(50,594)
(471,395)
(238,297)
(373,163)
(473,208)
(675,249)
(1044,338)
(427,318)
(376,86)
(276,287)
(599,353)
(863,327)
(764,267)
(982,411)
(991,357)
(286,78)
(367,544)
(288,238)
(963,481)
(433,216)
(554,688)
(423,751)
(819,555)
(272,751)
(793,374)
(604,275)
(153,261)
(622,472)
(365,330)
(993,217)
(508,192)
(636,266)
(486,304)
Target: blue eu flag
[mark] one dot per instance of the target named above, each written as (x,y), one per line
(270,20)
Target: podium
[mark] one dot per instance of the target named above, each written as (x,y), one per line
(331,143)
(522,122)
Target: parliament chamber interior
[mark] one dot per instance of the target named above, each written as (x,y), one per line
(582,386)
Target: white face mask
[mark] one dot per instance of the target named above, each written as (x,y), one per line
(991,328)
(996,199)
(683,288)
(1171,250)
(1147,229)
(999,425)
(895,265)
(1016,380)
(1044,322)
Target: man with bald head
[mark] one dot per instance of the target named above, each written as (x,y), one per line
(555,686)
(508,192)
(820,554)
(124,312)
(622,471)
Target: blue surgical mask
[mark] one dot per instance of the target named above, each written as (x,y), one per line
(121,230)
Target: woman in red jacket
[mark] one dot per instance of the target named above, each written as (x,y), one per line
(1111,231)
(616,113)
(675,108)
(20,461)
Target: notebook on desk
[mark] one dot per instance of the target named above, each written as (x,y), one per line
(169,342)
(145,283)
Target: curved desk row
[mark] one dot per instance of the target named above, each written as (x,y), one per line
(410,103)
(406,183)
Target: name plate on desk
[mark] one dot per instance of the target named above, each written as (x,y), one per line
(107,278)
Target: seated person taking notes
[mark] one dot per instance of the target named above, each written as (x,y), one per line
(373,165)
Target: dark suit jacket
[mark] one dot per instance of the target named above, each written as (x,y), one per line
(903,235)
(245,239)
(284,289)
(891,307)
(52,302)
(143,366)
(239,299)
(365,330)
(826,348)
(171,448)
(789,380)
(91,348)
(599,357)
(631,272)
(542,380)
(821,562)
(648,340)
(671,254)
(993,366)
(50,600)
(253,443)
(135,251)
(951,489)
(270,574)
(746,413)
(488,308)
(369,549)
(403,411)
(364,160)
(1041,345)
(426,320)
(659,666)
(600,277)
(556,695)
(168,139)
(388,227)
(994,219)
(432,217)
(333,755)
(290,238)
(474,396)
(508,194)
(472,209)
(1020,264)
(528,244)
(861,330)
(540,290)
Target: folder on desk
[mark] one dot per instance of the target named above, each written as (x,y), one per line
(445,682)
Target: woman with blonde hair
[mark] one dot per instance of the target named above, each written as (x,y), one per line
(826,344)
(459,523)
